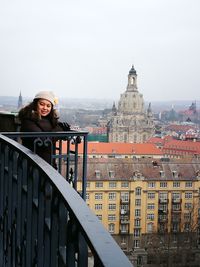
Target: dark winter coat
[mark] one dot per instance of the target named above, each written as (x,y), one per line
(39,125)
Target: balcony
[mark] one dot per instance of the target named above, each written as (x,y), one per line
(176,200)
(43,220)
(124,219)
(163,200)
(124,231)
(124,201)
(162,219)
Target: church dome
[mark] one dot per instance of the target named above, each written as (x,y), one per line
(132,71)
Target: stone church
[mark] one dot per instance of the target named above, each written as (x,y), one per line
(130,122)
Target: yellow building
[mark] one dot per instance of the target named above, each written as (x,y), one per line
(133,197)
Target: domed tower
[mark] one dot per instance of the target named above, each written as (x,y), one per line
(131,123)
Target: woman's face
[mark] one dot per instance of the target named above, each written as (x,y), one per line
(44,107)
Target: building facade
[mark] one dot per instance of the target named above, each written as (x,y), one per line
(130,122)
(137,198)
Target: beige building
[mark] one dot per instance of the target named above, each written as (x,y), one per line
(130,122)
(134,197)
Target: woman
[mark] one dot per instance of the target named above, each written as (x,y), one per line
(40,116)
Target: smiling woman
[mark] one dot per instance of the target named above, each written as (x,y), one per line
(41,116)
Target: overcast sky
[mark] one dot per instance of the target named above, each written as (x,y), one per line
(85,49)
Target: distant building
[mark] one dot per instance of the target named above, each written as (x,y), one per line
(20,101)
(118,150)
(139,200)
(130,123)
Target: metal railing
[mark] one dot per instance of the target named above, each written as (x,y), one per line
(63,148)
(43,220)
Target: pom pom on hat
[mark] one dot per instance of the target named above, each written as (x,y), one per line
(47,95)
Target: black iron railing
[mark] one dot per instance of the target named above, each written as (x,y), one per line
(43,220)
(64,149)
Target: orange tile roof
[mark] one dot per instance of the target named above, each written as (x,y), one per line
(120,148)
(155,140)
(179,145)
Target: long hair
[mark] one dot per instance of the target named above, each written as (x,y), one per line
(30,112)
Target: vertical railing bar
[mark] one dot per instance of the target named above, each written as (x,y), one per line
(19,212)
(28,233)
(68,160)
(60,153)
(2,162)
(75,165)
(84,172)
(23,211)
(41,222)
(35,217)
(9,231)
(54,230)
(47,222)
(62,235)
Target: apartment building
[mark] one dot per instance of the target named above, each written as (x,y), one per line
(133,197)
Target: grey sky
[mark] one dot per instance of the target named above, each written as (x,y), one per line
(86,48)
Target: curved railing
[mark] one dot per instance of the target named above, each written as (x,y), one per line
(43,220)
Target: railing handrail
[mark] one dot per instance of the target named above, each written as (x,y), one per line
(99,240)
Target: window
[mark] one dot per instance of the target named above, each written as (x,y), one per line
(176,184)
(111,217)
(87,196)
(125,196)
(98,196)
(151,184)
(112,184)
(98,206)
(112,206)
(162,174)
(111,174)
(187,216)
(138,202)
(163,207)
(137,212)
(124,208)
(163,184)
(187,227)
(112,196)
(150,195)
(99,184)
(124,184)
(150,216)
(188,206)
(99,216)
(123,228)
(138,191)
(175,227)
(150,206)
(123,240)
(136,243)
(188,184)
(163,195)
(111,228)
(88,184)
(188,195)
(176,196)
(149,227)
(136,232)
(137,222)
(97,174)
(176,206)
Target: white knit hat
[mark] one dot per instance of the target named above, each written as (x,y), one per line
(47,95)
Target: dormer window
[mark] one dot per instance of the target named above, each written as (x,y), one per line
(162,174)
(111,174)
(97,174)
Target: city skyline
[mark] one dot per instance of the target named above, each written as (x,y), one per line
(86,49)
